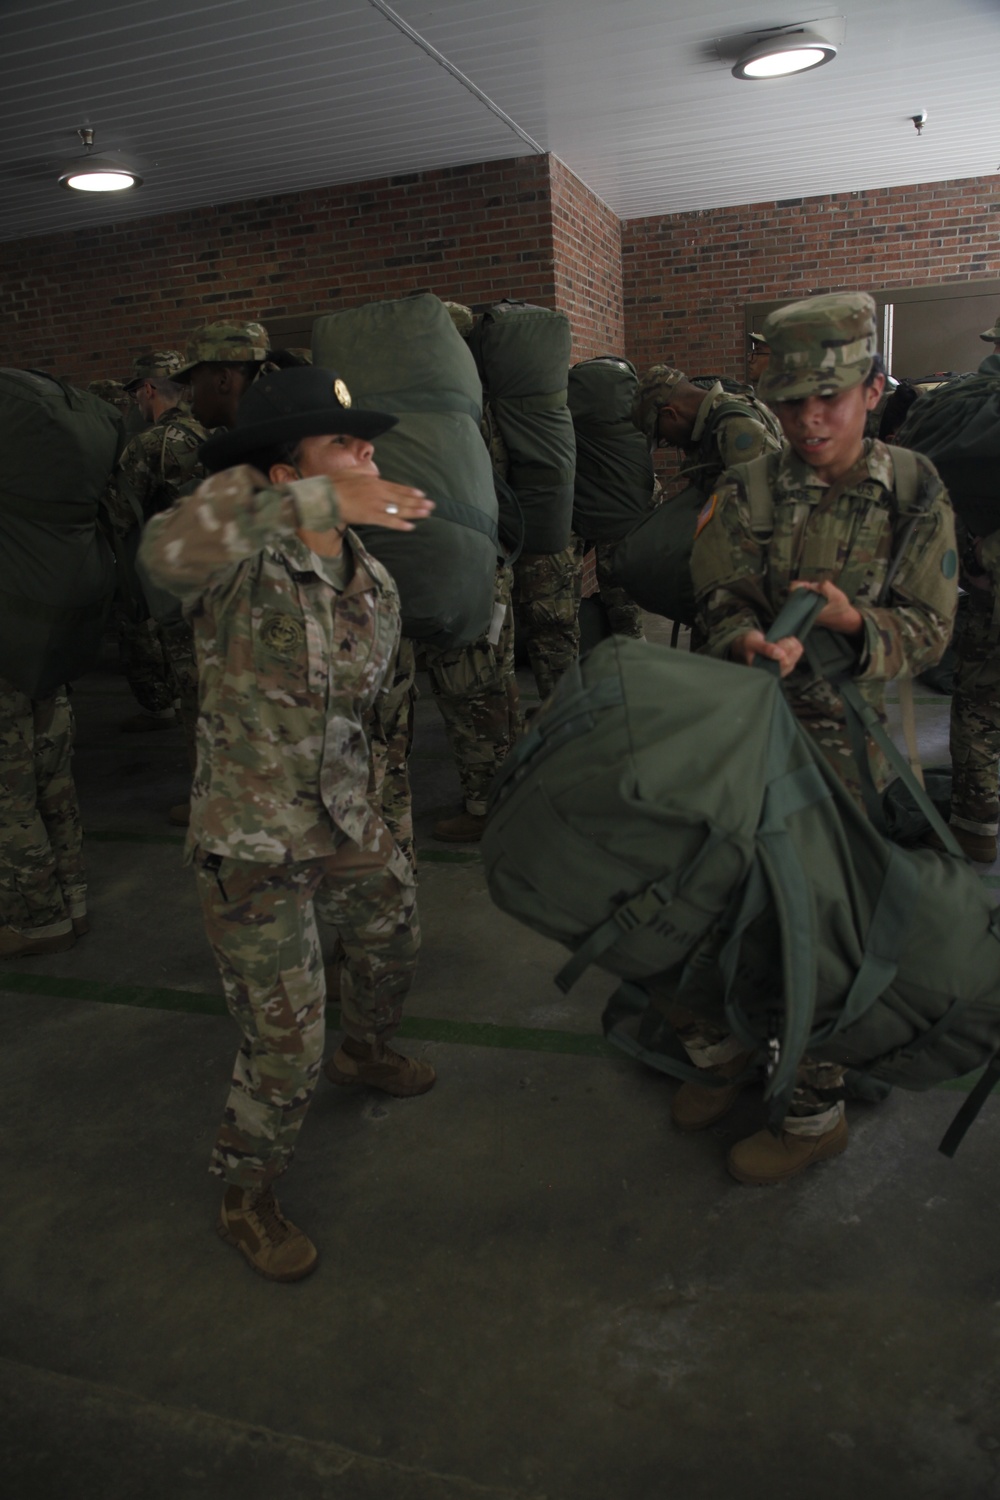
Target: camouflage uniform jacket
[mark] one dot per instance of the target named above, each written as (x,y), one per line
(729,429)
(288,665)
(157,464)
(846,532)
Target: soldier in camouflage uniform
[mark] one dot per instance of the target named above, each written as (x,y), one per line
(546,591)
(43,885)
(116,394)
(714,429)
(157,464)
(476,691)
(295,627)
(834,528)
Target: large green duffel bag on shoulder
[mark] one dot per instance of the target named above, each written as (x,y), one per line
(407,358)
(957,426)
(522,353)
(57,573)
(667,819)
(653,562)
(614,482)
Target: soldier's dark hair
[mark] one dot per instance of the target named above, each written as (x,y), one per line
(281,453)
(895,409)
(878,368)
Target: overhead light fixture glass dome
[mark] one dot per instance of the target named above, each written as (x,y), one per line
(787,52)
(97,174)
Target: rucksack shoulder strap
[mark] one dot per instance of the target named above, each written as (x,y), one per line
(911,493)
(755,478)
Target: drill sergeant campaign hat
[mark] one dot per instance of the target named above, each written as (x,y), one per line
(224,343)
(286,406)
(819,346)
(162,364)
(653,392)
(992,335)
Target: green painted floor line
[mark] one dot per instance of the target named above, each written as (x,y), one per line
(135,836)
(420,1028)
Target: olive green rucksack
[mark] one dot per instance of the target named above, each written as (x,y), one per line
(522,354)
(614,481)
(957,426)
(407,358)
(668,820)
(57,573)
(653,562)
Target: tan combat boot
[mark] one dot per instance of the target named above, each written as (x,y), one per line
(379,1067)
(696,1106)
(979,847)
(14,944)
(765,1159)
(253,1222)
(466,828)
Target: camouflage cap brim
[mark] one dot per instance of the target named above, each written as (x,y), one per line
(782,384)
(991,335)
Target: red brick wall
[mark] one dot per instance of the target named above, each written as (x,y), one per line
(84,303)
(688,276)
(588,265)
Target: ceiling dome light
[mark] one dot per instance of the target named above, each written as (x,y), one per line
(793,51)
(97,174)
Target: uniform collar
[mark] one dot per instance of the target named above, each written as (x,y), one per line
(795,473)
(304,560)
(703,411)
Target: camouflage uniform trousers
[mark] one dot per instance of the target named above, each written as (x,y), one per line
(624,615)
(818,1101)
(390,740)
(43,885)
(143,662)
(177,641)
(261,922)
(476,691)
(975,718)
(547,606)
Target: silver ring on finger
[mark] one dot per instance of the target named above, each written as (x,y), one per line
(392,510)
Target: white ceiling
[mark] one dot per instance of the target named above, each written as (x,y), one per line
(224,99)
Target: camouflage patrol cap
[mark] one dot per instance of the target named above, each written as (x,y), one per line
(758,341)
(992,335)
(463,317)
(224,343)
(819,346)
(109,390)
(157,364)
(653,392)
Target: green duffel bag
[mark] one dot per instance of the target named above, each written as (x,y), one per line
(613,489)
(957,426)
(667,819)
(653,562)
(522,353)
(57,573)
(407,358)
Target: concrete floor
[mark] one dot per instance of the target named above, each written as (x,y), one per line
(529,1285)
